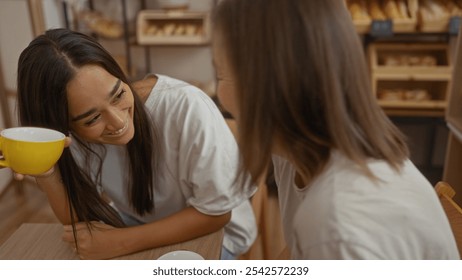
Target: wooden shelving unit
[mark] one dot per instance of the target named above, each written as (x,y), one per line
(153,28)
(157,27)
(411,76)
(364,17)
(406,16)
(422,92)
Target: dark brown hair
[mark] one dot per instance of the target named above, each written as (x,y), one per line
(302,80)
(45,68)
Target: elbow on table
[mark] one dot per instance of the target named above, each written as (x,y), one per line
(226,218)
(221,220)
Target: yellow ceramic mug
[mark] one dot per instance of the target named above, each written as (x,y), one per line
(30,150)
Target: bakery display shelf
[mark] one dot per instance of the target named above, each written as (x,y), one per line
(362,26)
(413,94)
(439,16)
(402,13)
(431,104)
(410,57)
(409,74)
(414,112)
(159,27)
(407,16)
(440,25)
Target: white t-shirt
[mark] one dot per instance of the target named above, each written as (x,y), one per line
(198,169)
(343,214)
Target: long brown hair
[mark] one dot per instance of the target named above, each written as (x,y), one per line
(301,78)
(45,68)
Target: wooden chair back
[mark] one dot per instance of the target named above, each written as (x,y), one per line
(453,211)
(262,246)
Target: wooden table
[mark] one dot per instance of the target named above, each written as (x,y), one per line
(43,242)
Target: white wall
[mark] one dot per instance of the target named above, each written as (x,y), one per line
(53,13)
(15,35)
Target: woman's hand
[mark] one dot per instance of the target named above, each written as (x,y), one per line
(20,177)
(97,242)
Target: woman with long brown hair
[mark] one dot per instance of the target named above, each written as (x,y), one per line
(293,74)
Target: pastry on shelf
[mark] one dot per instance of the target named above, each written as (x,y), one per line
(191,29)
(101,25)
(151,29)
(453,7)
(376,11)
(403,9)
(392,60)
(180,29)
(432,10)
(416,95)
(358,10)
(392,10)
(171,29)
(409,60)
(390,94)
(428,60)
(413,60)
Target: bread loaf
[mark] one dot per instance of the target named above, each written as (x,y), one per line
(390,94)
(376,11)
(391,9)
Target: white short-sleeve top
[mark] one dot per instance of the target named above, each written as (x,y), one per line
(344,214)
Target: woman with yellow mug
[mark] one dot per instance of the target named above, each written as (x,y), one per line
(149,165)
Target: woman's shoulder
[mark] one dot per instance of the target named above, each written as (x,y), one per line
(180,95)
(175,88)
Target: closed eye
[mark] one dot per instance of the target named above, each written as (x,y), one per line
(118,96)
(93,120)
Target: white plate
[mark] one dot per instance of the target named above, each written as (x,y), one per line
(181,255)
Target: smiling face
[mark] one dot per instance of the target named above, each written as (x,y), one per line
(100,107)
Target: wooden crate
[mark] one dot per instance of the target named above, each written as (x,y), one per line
(159,27)
(400,72)
(439,23)
(408,24)
(400,59)
(438,91)
(399,25)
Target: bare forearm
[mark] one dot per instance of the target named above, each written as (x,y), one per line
(182,226)
(57,195)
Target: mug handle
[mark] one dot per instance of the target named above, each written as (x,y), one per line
(2,160)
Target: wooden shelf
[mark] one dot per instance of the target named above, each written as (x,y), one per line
(413,104)
(413,73)
(159,27)
(415,77)
(399,25)
(406,112)
(416,21)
